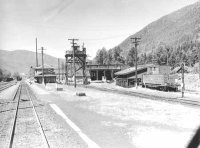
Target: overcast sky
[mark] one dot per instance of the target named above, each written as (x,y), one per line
(97,23)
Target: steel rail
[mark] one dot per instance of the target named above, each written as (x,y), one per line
(18,93)
(16,112)
(38,120)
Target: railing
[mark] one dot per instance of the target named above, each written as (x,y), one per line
(76,52)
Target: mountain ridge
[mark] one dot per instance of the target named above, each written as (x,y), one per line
(21,60)
(172,29)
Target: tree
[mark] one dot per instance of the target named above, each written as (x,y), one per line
(101,56)
(161,56)
(110,56)
(142,59)
(130,60)
(105,55)
(16,76)
(149,57)
(117,57)
(1,74)
(172,59)
(6,74)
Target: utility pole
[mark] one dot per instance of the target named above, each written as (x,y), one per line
(36,52)
(198,48)
(65,71)
(42,50)
(59,69)
(84,64)
(145,56)
(183,84)
(167,55)
(73,48)
(199,59)
(136,42)
(62,70)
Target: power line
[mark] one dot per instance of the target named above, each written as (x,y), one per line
(106,38)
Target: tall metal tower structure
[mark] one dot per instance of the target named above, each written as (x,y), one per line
(77,57)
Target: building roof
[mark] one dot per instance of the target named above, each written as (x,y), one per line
(132,69)
(45,76)
(45,66)
(104,67)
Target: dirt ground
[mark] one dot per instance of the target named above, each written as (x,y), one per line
(146,123)
(192,82)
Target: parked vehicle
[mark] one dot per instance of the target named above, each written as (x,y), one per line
(159,77)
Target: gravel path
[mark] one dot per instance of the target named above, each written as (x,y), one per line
(27,133)
(6,115)
(147,123)
(58,133)
(7,94)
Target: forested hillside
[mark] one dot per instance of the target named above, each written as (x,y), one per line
(173,39)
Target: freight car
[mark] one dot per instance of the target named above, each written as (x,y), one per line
(159,77)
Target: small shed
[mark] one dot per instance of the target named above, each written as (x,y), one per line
(49,74)
(127,77)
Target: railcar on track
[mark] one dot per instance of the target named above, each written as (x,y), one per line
(159,77)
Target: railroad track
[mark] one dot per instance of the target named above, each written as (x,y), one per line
(7,85)
(26,119)
(146,96)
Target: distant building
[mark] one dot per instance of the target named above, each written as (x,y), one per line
(102,72)
(49,74)
(127,77)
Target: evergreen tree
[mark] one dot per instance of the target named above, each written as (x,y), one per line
(110,56)
(101,56)
(117,57)
(130,59)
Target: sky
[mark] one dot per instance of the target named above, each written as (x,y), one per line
(96,23)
